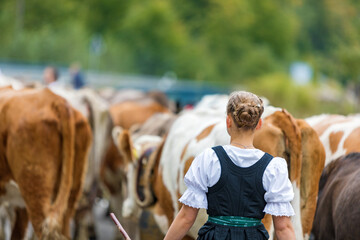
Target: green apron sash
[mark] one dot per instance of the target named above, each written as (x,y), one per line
(235,221)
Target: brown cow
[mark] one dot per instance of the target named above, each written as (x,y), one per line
(43,157)
(281,135)
(338,213)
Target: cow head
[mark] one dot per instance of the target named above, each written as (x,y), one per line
(139,162)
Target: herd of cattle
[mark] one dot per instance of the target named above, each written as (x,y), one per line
(60,149)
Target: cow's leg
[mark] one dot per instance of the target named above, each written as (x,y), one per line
(3,219)
(2,227)
(149,228)
(7,220)
(5,176)
(38,204)
(34,154)
(85,228)
(82,145)
(21,224)
(84,218)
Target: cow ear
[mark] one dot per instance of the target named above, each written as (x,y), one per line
(123,142)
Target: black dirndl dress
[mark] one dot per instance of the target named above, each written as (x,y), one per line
(238,193)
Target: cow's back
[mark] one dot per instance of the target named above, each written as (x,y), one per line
(339,134)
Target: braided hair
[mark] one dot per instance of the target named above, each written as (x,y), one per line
(245,108)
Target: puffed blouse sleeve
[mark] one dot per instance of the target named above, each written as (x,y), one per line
(279,191)
(197,182)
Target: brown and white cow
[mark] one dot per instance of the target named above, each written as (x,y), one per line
(193,131)
(127,114)
(338,213)
(339,134)
(43,160)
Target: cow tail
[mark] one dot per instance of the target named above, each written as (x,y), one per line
(292,134)
(313,161)
(51,226)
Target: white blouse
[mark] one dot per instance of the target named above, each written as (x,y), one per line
(205,172)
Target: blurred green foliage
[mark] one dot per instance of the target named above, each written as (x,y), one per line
(219,40)
(228,41)
(302,101)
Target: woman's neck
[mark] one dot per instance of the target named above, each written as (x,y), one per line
(242,141)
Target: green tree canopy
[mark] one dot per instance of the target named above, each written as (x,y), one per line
(217,40)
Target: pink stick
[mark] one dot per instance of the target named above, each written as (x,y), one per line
(121,229)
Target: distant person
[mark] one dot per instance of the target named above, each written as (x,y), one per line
(51,76)
(77,78)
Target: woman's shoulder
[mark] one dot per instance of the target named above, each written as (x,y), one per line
(279,162)
(277,165)
(207,154)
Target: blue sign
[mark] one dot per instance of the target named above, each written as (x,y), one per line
(301,72)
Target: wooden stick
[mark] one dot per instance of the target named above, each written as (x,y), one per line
(121,229)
